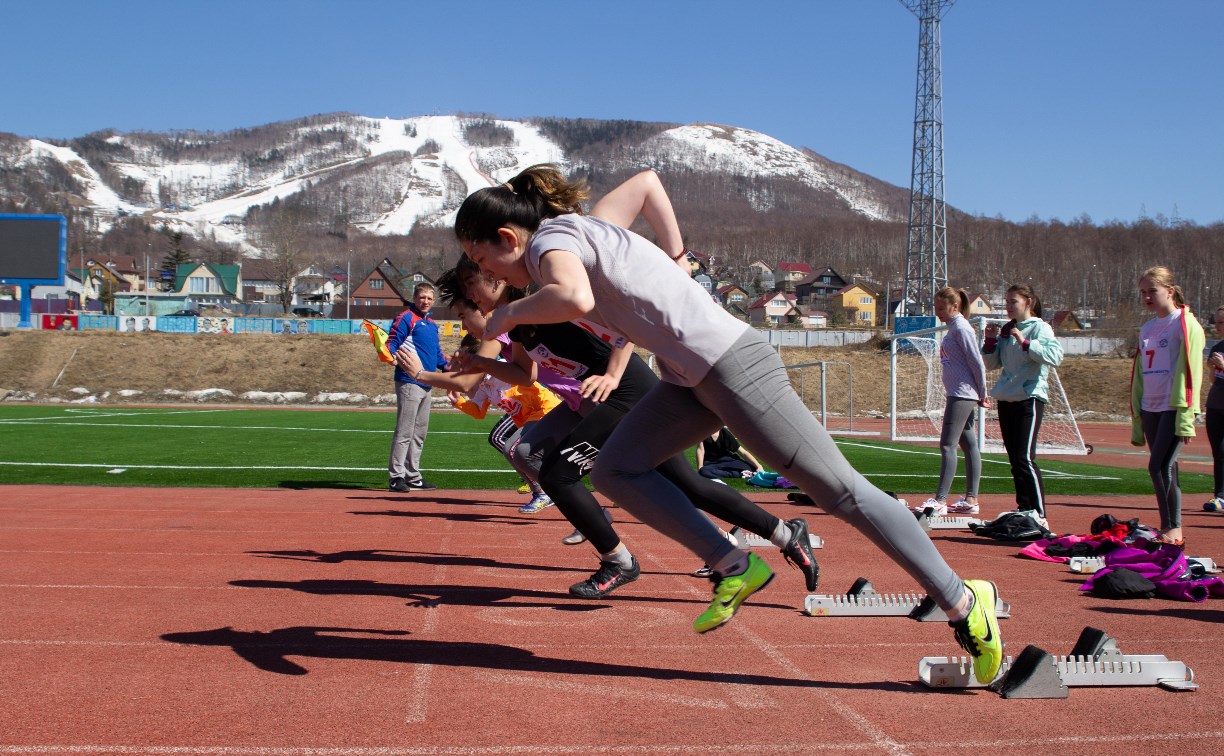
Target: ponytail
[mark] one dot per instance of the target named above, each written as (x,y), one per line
(536,194)
(958,297)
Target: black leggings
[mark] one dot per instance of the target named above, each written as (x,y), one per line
(1215,436)
(1020,424)
(1160,432)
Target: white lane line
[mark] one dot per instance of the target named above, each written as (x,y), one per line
(109,465)
(176,426)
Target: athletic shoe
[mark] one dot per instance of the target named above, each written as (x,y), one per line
(606,579)
(525,488)
(979,632)
(798,551)
(575,538)
(1215,505)
(963,507)
(538,503)
(397,485)
(421,485)
(730,591)
(703,571)
(940,507)
(1032,513)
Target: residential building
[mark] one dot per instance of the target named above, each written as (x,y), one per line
(1065,321)
(788,274)
(820,285)
(734,295)
(859,303)
(774,309)
(813,318)
(209,284)
(381,287)
(760,276)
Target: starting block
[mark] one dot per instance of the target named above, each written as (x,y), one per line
(1090,565)
(753,541)
(862,600)
(929,522)
(1096,661)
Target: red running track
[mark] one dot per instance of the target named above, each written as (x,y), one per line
(200,621)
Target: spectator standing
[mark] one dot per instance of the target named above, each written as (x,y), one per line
(1025,348)
(1165,382)
(964,380)
(413,330)
(1215,415)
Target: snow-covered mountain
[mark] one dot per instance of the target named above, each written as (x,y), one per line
(388,175)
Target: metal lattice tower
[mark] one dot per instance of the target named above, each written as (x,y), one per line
(926,249)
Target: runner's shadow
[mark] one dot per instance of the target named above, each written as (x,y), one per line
(453,516)
(1202,615)
(270,651)
(411,557)
(305,485)
(430,596)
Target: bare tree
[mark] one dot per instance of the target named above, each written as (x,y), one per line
(281,239)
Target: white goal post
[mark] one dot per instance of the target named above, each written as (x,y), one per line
(916,397)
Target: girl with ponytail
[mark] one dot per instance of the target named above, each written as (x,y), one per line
(1165,381)
(715,371)
(964,379)
(1025,349)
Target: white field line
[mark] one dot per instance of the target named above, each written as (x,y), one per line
(331,468)
(1045,472)
(110,426)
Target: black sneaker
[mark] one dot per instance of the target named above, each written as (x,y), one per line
(798,551)
(421,485)
(703,571)
(606,579)
(397,485)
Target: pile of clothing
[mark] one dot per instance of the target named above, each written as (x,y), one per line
(1136,564)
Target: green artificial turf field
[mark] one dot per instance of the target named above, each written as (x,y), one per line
(294,448)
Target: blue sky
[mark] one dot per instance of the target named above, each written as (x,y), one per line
(1053,108)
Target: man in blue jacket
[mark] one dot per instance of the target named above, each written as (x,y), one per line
(413,329)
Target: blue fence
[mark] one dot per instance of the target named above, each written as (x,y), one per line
(168,324)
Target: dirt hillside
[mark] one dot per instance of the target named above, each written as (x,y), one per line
(32,361)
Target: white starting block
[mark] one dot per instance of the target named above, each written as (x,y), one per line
(863,601)
(1095,661)
(753,541)
(1090,565)
(947,523)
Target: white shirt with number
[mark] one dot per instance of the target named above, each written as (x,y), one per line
(1160,341)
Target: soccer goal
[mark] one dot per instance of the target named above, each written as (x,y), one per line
(917,398)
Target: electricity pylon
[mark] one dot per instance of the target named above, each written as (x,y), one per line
(926,249)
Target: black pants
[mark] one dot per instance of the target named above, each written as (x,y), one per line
(1215,436)
(564,467)
(1020,423)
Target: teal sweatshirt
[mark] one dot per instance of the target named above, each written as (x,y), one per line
(1026,365)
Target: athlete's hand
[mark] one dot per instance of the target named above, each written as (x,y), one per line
(992,330)
(1217,359)
(498,323)
(599,387)
(985,402)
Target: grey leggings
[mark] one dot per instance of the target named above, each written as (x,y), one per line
(749,391)
(959,427)
(1160,432)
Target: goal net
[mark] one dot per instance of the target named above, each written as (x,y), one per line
(917,398)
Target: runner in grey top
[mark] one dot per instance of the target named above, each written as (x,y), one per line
(716,371)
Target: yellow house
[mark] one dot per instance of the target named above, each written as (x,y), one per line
(978,306)
(861,300)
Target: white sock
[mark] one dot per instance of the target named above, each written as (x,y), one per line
(781,535)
